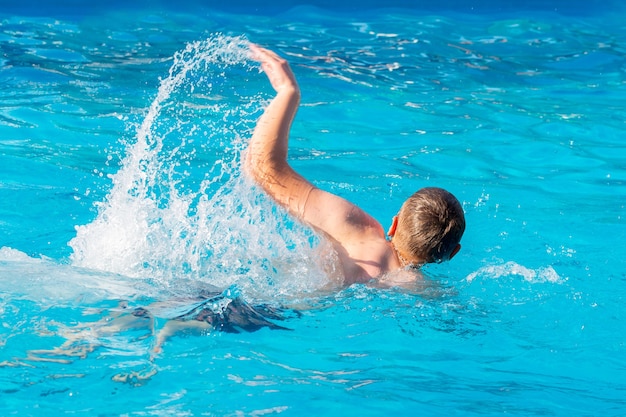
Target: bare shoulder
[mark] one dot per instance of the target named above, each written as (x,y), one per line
(356,236)
(339,218)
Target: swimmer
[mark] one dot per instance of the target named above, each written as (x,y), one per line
(428,227)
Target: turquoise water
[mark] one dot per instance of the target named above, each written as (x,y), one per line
(120,139)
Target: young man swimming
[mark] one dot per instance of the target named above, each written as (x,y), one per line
(428,227)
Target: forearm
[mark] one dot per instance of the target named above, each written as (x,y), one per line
(266,158)
(270,141)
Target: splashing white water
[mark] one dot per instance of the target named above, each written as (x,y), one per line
(179,208)
(544,274)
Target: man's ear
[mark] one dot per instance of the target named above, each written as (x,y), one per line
(394,225)
(455,251)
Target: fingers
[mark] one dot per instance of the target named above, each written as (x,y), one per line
(276,68)
(255,51)
(264,55)
(258,53)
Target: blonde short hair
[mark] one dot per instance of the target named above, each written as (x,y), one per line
(430,225)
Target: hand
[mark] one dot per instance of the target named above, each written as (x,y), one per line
(276,68)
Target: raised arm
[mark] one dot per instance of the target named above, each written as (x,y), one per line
(355,234)
(266,160)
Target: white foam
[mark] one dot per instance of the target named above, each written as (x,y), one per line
(8,254)
(49,282)
(162,222)
(508,269)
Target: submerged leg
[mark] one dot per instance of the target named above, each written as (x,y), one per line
(222,314)
(84,338)
(174,327)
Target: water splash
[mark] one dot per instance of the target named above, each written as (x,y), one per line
(179,208)
(508,269)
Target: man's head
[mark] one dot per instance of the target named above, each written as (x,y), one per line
(429,226)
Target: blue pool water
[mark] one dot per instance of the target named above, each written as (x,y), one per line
(121,131)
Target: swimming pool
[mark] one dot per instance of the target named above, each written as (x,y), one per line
(121,131)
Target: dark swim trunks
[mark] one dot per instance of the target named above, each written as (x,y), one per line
(232,315)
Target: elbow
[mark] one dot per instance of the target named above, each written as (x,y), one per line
(258,168)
